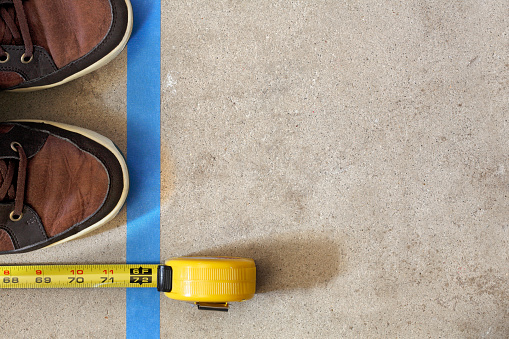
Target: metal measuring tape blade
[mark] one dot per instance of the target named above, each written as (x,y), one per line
(209,282)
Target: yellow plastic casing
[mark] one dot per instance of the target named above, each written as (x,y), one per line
(212,279)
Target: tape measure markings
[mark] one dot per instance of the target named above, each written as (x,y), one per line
(78,276)
(210,283)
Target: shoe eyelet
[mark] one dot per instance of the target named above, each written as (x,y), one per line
(15,144)
(14,217)
(24,61)
(5,58)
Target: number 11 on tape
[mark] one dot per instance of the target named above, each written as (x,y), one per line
(209,282)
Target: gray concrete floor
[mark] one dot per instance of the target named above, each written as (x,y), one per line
(357,151)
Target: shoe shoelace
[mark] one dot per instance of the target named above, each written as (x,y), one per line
(9,31)
(7,190)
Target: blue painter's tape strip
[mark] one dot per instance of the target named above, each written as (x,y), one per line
(144,162)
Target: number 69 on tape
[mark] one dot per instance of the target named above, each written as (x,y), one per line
(209,282)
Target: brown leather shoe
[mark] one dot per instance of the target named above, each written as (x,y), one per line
(45,43)
(57,182)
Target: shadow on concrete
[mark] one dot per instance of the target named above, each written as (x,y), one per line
(289,261)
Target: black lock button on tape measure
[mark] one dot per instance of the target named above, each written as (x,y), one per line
(209,282)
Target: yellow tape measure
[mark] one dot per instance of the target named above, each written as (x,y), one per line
(209,282)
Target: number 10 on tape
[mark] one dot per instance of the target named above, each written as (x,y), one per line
(72,276)
(209,282)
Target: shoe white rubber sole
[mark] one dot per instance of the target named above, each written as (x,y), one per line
(106,59)
(102,140)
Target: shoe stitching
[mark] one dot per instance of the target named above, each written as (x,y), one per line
(37,53)
(94,51)
(33,220)
(105,39)
(10,238)
(33,129)
(12,235)
(89,151)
